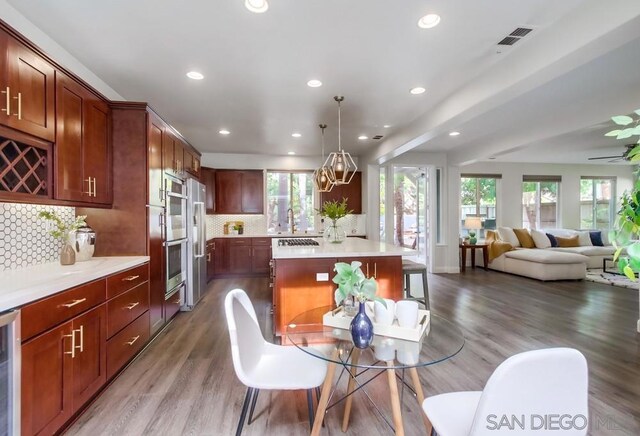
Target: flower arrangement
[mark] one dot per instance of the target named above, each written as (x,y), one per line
(334,210)
(352,281)
(59,229)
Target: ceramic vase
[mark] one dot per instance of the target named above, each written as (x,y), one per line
(361,328)
(67,253)
(334,233)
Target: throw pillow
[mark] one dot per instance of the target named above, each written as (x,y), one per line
(508,235)
(584,239)
(552,239)
(540,239)
(568,242)
(596,239)
(524,238)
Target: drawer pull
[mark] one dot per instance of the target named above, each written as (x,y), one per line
(74,303)
(81,331)
(73,344)
(132,305)
(130,278)
(133,340)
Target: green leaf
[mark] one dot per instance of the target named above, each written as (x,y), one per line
(339,296)
(637,111)
(613,133)
(380,300)
(616,255)
(622,120)
(634,250)
(634,263)
(628,271)
(634,151)
(626,133)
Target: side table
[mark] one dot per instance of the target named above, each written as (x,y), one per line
(463,255)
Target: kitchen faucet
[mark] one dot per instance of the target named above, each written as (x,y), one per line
(290,220)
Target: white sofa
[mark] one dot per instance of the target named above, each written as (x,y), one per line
(551,263)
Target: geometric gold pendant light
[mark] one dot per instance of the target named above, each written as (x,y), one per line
(341,165)
(322,175)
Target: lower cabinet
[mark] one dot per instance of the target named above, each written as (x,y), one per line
(211,255)
(240,256)
(122,347)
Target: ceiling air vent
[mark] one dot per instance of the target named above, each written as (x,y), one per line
(377,137)
(515,36)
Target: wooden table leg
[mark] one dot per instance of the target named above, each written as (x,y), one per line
(485,257)
(463,255)
(347,408)
(473,257)
(395,399)
(324,396)
(420,397)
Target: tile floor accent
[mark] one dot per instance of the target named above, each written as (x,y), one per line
(24,240)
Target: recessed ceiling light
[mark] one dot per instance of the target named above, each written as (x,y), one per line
(314,83)
(296,135)
(195,75)
(454,133)
(429,21)
(257,6)
(386,126)
(291,153)
(224,132)
(362,137)
(417,90)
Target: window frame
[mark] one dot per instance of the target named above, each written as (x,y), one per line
(478,177)
(594,202)
(538,180)
(314,198)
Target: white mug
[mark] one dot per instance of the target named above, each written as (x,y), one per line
(384,315)
(407,313)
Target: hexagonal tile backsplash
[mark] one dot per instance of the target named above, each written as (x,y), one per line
(24,240)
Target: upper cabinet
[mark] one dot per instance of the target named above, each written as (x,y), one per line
(239,192)
(27,84)
(352,192)
(82,148)
(208,178)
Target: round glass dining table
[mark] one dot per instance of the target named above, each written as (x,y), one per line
(386,355)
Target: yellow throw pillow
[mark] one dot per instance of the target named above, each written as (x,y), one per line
(568,242)
(526,241)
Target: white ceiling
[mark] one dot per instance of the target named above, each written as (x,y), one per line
(256,65)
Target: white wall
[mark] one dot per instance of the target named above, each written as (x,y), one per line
(18,21)
(260,161)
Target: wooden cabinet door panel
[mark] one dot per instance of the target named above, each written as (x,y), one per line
(168,156)
(352,192)
(387,270)
(154,153)
(239,259)
(178,156)
(157,284)
(122,347)
(210,260)
(89,363)
(228,192)
(70,183)
(127,307)
(260,257)
(209,180)
(97,148)
(31,80)
(46,381)
(221,256)
(252,192)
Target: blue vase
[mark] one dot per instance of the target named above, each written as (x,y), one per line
(361,328)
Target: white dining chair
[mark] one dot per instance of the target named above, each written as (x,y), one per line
(262,365)
(526,390)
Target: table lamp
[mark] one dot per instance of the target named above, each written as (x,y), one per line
(473,223)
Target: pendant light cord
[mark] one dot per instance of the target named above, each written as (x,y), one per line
(339,127)
(323,126)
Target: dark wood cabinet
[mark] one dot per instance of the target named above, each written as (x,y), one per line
(221,256)
(239,191)
(191,163)
(240,256)
(208,178)
(168,152)
(352,192)
(157,285)
(178,155)
(82,149)
(28,94)
(154,153)
(211,255)
(90,361)
(260,255)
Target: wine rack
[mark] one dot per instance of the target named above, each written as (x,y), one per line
(25,169)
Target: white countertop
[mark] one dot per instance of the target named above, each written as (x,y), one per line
(281,235)
(351,247)
(21,286)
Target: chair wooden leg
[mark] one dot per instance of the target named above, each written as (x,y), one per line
(420,397)
(253,405)
(310,407)
(347,408)
(395,399)
(243,414)
(324,397)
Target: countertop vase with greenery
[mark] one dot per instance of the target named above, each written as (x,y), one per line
(334,210)
(63,231)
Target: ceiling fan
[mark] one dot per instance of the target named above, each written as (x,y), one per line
(619,157)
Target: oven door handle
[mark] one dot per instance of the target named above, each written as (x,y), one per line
(177,242)
(173,194)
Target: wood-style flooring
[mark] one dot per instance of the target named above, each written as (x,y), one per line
(184,383)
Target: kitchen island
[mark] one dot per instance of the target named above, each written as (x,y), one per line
(302,274)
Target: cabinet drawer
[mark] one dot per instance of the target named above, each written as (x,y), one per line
(125,280)
(126,344)
(235,242)
(173,303)
(126,307)
(261,241)
(44,314)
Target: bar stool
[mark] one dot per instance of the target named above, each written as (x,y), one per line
(410,267)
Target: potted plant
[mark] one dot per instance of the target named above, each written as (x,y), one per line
(61,230)
(627,229)
(352,283)
(334,210)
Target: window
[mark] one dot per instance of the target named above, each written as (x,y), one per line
(597,205)
(540,201)
(290,190)
(478,198)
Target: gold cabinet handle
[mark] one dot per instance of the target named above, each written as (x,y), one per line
(94,187)
(367,269)
(375,270)
(7,109)
(133,340)
(88,180)
(19,98)
(81,331)
(132,305)
(130,278)
(208,257)
(74,303)
(73,344)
